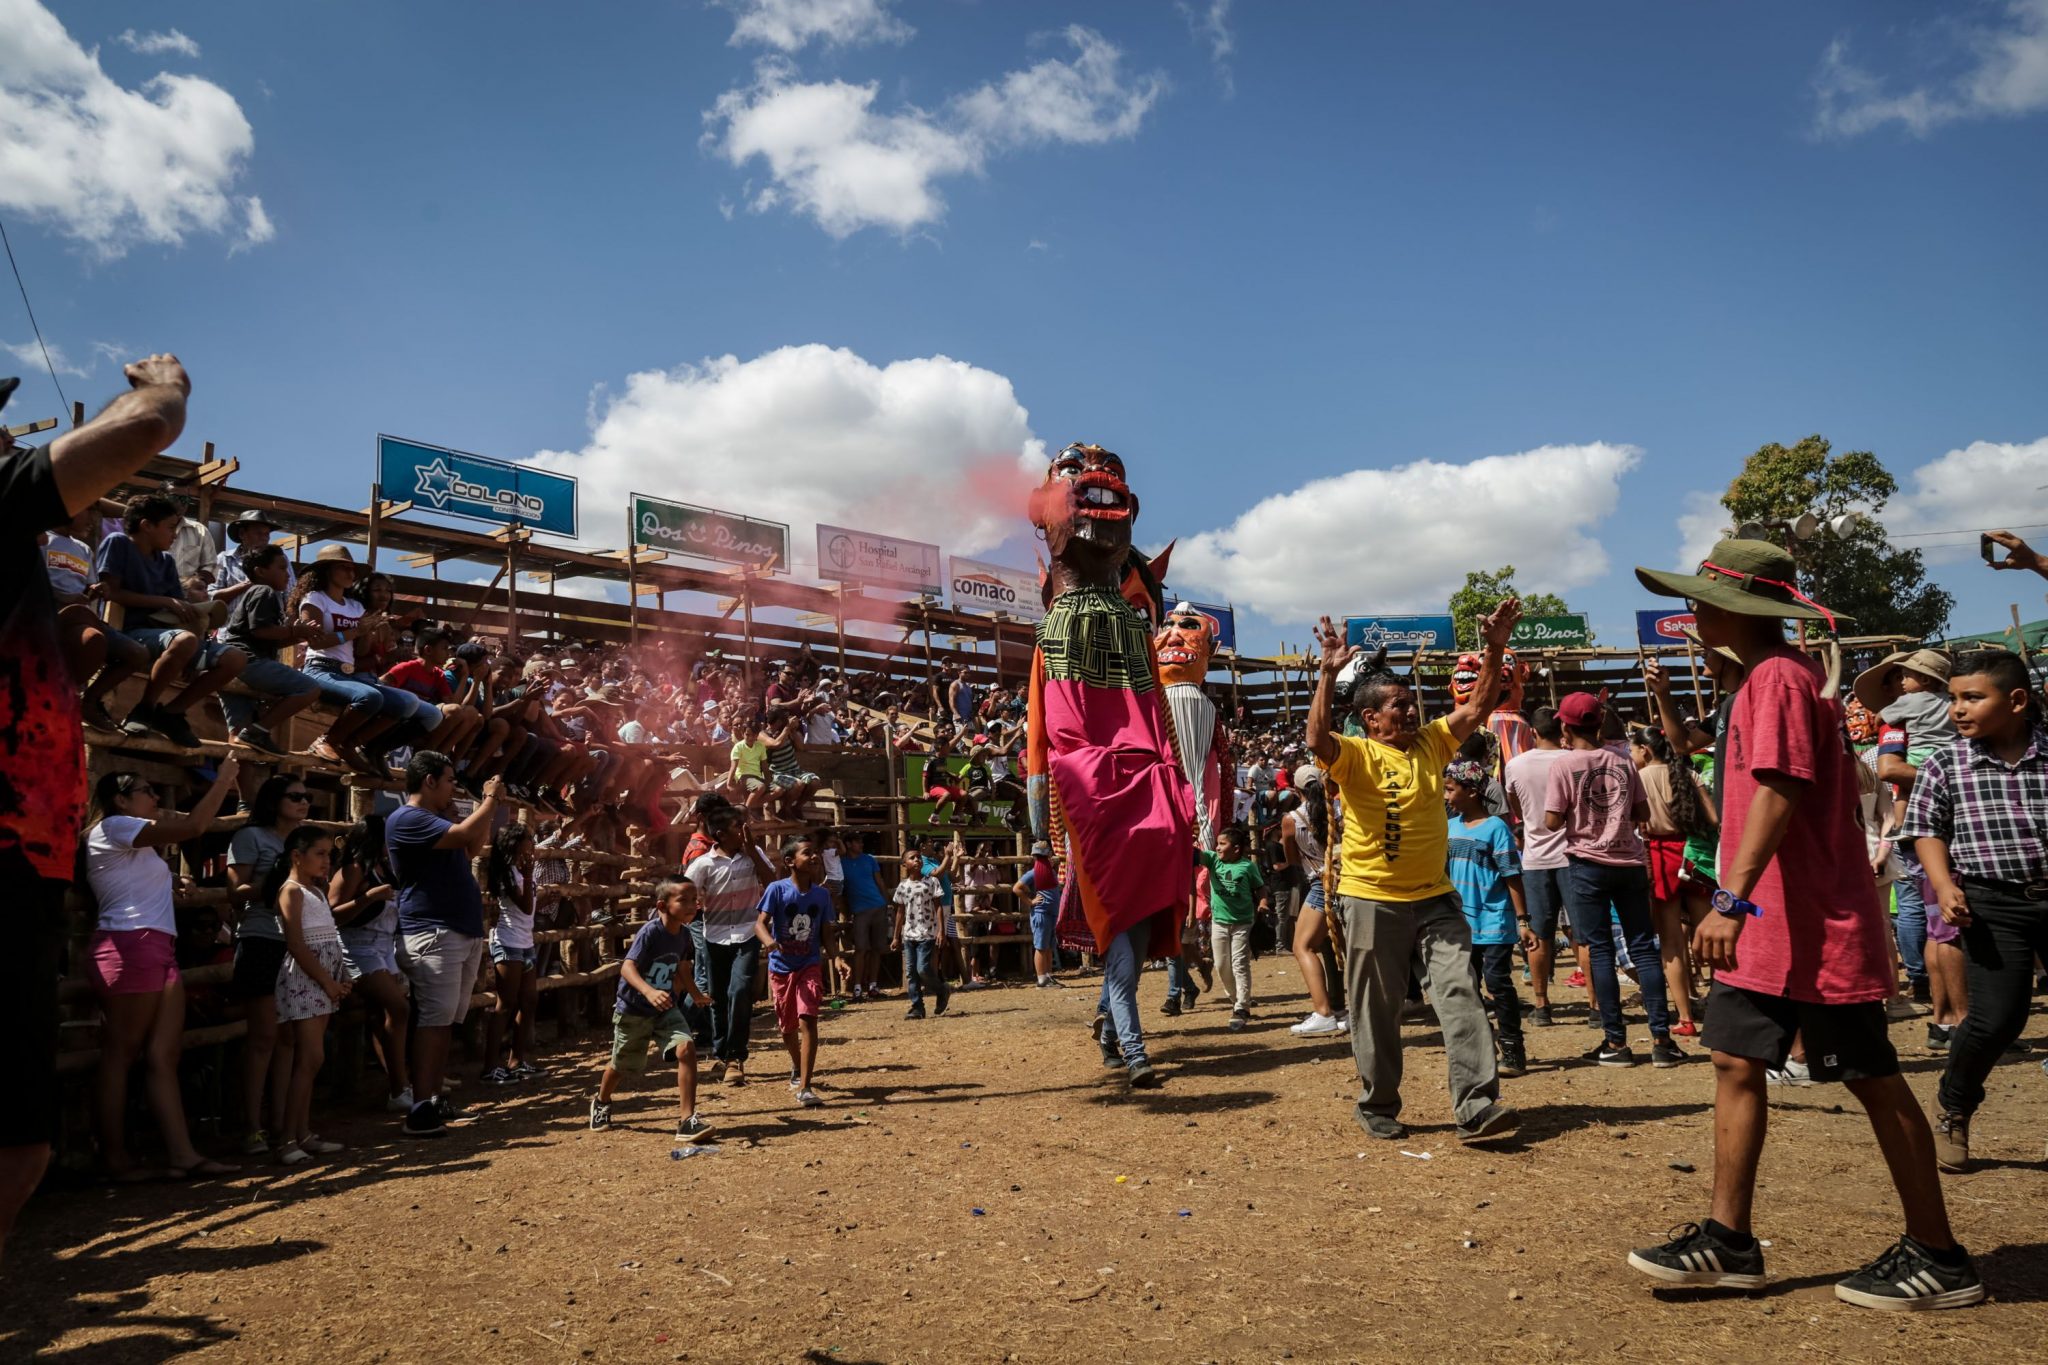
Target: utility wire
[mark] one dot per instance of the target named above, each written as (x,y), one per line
(47,364)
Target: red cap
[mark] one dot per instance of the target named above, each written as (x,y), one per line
(1580,710)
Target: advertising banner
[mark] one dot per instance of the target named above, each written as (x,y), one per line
(1226,623)
(1551,632)
(458,484)
(1661,627)
(725,536)
(1401,634)
(991,587)
(878,561)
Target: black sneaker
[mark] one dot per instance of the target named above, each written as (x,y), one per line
(1612,1054)
(1143,1077)
(600,1114)
(425,1121)
(914,1012)
(257,738)
(1496,1120)
(1664,1054)
(1172,1005)
(173,726)
(1513,1061)
(1539,1015)
(1382,1126)
(1939,1037)
(450,1111)
(1696,1257)
(1104,1034)
(1187,996)
(945,999)
(1238,1019)
(94,715)
(1907,1279)
(693,1129)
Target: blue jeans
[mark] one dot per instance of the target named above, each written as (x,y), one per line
(1120,967)
(357,698)
(269,677)
(921,972)
(725,972)
(1909,926)
(1179,980)
(1593,892)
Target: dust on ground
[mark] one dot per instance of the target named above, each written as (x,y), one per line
(979,1188)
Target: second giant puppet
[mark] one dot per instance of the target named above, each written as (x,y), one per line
(1185,644)
(1512,735)
(1105,779)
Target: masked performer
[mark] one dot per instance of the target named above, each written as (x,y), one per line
(1105,778)
(1512,734)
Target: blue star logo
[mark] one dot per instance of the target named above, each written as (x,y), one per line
(436,483)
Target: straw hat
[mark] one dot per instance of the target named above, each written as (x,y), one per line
(334,554)
(1931,664)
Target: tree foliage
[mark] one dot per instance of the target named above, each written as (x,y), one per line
(1883,589)
(1482,593)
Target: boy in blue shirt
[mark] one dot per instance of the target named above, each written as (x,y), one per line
(794,913)
(649,1009)
(867,908)
(1486,871)
(1040,889)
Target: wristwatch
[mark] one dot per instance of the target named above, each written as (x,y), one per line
(1733,906)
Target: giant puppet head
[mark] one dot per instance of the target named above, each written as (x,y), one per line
(1086,511)
(1185,641)
(1514,678)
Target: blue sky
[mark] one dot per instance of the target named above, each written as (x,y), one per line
(1365,294)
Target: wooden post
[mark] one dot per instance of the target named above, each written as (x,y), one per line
(632,580)
(747,611)
(1286,697)
(2019,634)
(376,522)
(839,623)
(512,588)
(1234,702)
(1692,660)
(78,414)
(206,496)
(554,612)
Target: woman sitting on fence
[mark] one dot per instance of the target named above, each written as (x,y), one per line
(314,982)
(134,964)
(361,894)
(509,881)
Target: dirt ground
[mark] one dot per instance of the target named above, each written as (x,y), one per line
(977,1188)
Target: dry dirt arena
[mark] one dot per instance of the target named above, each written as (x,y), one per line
(977,1188)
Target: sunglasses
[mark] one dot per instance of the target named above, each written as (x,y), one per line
(297,796)
(141,789)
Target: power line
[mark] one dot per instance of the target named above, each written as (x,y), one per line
(47,364)
(1965,531)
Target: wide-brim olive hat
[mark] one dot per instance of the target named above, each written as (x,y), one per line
(1748,577)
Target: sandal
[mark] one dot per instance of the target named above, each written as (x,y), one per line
(203,1167)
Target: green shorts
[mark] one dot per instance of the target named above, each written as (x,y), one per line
(631,1033)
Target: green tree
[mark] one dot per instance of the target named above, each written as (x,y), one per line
(1882,589)
(1482,593)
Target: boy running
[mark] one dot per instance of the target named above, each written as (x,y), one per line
(1486,872)
(647,1010)
(794,913)
(1237,892)
(1799,946)
(1978,818)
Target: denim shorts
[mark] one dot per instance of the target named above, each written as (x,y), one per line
(523,956)
(155,639)
(1044,930)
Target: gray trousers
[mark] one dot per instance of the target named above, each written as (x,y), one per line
(1232,944)
(1383,942)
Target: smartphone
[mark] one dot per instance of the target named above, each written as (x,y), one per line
(1989,548)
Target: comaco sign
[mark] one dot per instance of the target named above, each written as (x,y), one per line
(881,561)
(991,587)
(459,484)
(724,536)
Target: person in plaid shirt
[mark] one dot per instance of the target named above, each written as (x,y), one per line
(1978,819)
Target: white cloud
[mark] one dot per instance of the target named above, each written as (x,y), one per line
(2005,76)
(1402,539)
(109,166)
(31,354)
(791,24)
(256,226)
(1211,25)
(156,44)
(832,156)
(934,448)
(1984,486)
(1703,522)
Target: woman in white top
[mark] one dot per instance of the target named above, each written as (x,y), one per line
(510,882)
(368,710)
(314,980)
(135,964)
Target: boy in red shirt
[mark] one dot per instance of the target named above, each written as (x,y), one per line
(1799,945)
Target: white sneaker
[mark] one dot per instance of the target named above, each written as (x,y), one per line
(1316,1026)
(1796,1072)
(320,1146)
(1344,1023)
(401,1103)
(808,1099)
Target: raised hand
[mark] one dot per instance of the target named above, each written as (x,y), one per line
(1335,651)
(1500,623)
(158,369)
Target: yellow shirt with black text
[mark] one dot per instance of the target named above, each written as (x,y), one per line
(1396,841)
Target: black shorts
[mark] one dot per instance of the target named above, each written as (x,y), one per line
(257,963)
(28,1008)
(1843,1042)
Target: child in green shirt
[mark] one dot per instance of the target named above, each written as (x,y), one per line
(1237,892)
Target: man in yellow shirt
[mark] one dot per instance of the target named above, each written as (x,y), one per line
(1394,895)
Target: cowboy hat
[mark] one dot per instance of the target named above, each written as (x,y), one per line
(252,517)
(1869,685)
(1748,577)
(334,554)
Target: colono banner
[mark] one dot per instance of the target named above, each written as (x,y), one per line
(706,533)
(1400,634)
(992,587)
(878,561)
(459,484)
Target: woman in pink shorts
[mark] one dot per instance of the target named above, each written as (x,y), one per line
(134,962)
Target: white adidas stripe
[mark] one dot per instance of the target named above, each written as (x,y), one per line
(1925,1282)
